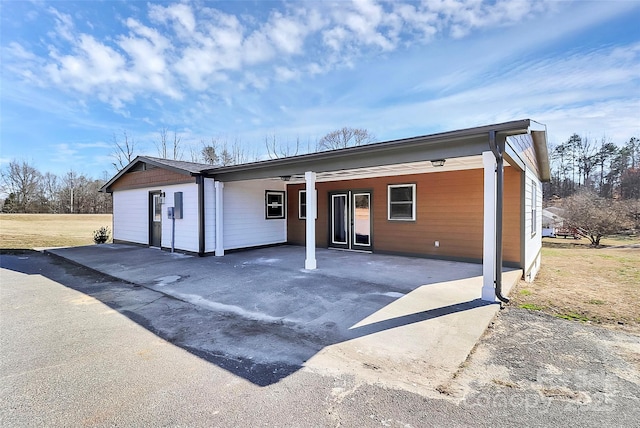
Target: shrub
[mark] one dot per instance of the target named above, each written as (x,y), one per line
(593,216)
(101,235)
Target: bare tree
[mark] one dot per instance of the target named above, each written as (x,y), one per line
(592,215)
(277,150)
(195,155)
(50,190)
(123,150)
(345,137)
(23,181)
(603,159)
(633,212)
(29,191)
(586,159)
(238,153)
(630,184)
(69,194)
(162,146)
(633,146)
(223,154)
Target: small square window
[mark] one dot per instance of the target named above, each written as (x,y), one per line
(402,202)
(274,204)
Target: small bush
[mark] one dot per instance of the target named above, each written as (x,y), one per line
(101,235)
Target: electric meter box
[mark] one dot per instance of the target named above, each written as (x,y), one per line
(169,212)
(177,205)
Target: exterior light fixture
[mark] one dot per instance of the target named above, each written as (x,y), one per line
(438,162)
(161,198)
(285,177)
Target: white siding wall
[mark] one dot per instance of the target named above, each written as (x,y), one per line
(533,243)
(131,215)
(186,235)
(244,215)
(209,216)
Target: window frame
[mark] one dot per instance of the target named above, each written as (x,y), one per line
(157,207)
(413,202)
(282,204)
(300,204)
(300,192)
(534,208)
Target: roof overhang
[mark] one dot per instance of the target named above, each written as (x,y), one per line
(421,150)
(542,154)
(422,167)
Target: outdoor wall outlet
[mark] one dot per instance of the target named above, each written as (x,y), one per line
(437,244)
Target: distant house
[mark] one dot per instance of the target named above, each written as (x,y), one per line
(443,196)
(552,220)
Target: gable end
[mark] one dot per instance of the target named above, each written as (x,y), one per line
(141,177)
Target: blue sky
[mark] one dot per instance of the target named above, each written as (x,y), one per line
(75,73)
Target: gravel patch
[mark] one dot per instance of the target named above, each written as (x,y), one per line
(530,364)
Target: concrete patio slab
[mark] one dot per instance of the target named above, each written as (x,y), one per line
(401,322)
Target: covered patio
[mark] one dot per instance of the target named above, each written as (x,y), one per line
(347,176)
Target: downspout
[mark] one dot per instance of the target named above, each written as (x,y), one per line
(498,148)
(200,180)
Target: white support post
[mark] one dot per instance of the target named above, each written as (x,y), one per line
(489,235)
(219,186)
(310,180)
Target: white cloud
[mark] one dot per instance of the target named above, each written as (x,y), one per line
(256,81)
(64,27)
(147,51)
(257,49)
(284,74)
(228,66)
(94,67)
(181,15)
(97,144)
(187,46)
(286,33)
(211,53)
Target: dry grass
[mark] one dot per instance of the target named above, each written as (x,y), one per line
(577,282)
(25,231)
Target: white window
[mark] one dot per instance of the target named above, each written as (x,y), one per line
(401,202)
(302,204)
(534,208)
(274,204)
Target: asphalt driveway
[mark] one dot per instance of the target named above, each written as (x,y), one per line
(77,348)
(399,321)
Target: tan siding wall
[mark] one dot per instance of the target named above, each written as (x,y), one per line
(449,210)
(513,216)
(149,178)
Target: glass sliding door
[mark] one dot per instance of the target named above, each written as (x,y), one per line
(351,220)
(339,220)
(361,220)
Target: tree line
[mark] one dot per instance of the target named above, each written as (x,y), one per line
(606,169)
(221,152)
(603,168)
(597,184)
(30,191)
